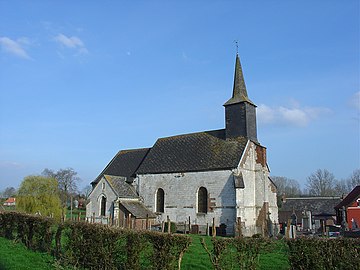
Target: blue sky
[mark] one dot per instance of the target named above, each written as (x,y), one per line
(81,80)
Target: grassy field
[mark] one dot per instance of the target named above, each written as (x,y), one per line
(196,256)
(16,256)
(276,257)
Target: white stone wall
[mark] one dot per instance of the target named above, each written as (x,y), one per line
(258,189)
(101,189)
(230,203)
(181,196)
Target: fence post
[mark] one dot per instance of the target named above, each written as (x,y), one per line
(213,228)
(169,225)
(189,225)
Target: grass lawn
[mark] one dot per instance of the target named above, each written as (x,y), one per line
(196,257)
(275,257)
(15,256)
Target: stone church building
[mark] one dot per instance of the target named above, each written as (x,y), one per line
(218,176)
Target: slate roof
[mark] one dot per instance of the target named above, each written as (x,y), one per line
(316,205)
(202,151)
(137,209)
(128,196)
(350,198)
(321,206)
(121,187)
(125,163)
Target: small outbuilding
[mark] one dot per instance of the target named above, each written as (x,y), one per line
(114,201)
(349,210)
(10,202)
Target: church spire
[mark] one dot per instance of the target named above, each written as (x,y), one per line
(240,111)
(239,89)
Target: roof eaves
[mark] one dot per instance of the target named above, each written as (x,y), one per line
(350,198)
(190,171)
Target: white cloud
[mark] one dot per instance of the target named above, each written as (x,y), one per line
(265,114)
(71,43)
(15,47)
(10,164)
(355,100)
(293,115)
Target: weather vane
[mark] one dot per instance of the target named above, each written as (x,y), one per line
(237,46)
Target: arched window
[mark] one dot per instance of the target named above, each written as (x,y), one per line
(160,200)
(202,200)
(103,206)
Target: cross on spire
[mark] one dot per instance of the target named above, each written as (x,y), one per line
(237,46)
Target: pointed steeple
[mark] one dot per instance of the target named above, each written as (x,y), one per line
(239,89)
(240,111)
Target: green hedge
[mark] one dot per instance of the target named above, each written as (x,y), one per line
(238,253)
(95,246)
(35,232)
(324,253)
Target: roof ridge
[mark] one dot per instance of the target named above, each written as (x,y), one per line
(132,150)
(192,133)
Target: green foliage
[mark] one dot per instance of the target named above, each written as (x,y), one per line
(172,227)
(8,221)
(309,253)
(39,195)
(135,246)
(238,253)
(34,232)
(168,249)
(248,252)
(90,246)
(216,254)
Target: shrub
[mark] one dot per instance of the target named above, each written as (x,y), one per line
(167,249)
(323,253)
(90,245)
(239,253)
(34,231)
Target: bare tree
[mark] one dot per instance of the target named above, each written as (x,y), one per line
(321,183)
(287,186)
(8,192)
(341,188)
(353,180)
(85,192)
(67,180)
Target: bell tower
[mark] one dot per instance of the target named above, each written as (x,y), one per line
(240,111)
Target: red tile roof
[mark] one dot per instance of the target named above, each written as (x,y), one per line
(10,200)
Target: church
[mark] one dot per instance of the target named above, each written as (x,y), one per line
(212,178)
